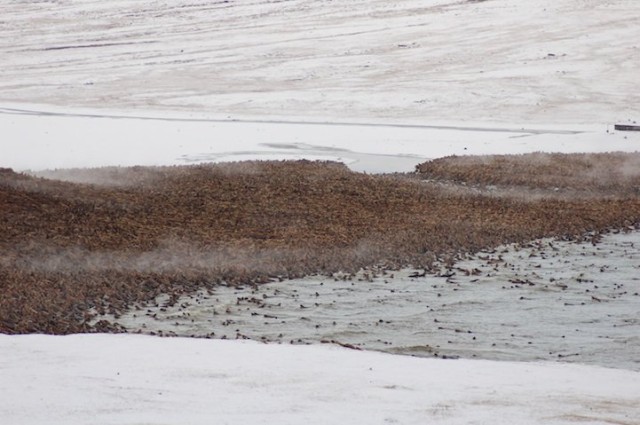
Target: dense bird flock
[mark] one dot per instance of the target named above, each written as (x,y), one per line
(118,237)
(612,175)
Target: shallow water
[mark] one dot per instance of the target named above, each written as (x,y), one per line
(551,300)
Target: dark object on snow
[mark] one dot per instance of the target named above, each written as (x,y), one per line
(627,127)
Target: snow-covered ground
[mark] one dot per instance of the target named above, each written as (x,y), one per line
(230,80)
(129,379)
(379,85)
(506,61)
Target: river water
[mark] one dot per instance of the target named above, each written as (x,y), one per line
(549,300)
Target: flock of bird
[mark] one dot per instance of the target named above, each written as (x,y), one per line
(83,243)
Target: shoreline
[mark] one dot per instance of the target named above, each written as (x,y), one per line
(546,300)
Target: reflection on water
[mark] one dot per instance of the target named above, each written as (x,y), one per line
(548,301)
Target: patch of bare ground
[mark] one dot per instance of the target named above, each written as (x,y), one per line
(71,250)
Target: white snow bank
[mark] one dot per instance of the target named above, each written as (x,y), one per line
(129,379)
